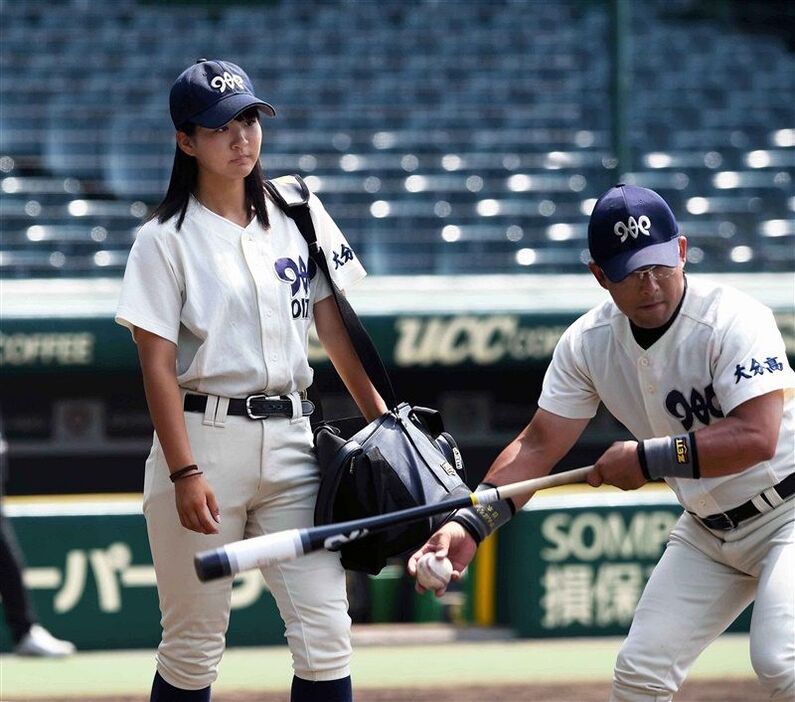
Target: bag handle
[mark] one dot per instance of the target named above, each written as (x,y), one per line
(291,195)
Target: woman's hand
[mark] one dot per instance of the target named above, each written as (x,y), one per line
(196,505)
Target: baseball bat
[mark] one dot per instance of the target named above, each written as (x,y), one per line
(290,544)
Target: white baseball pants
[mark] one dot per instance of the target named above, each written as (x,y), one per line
(265,478)
(703,581)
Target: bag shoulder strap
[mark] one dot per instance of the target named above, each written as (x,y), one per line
(288,191)
(291,195)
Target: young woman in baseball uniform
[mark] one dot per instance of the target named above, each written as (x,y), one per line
(698,373)
(219,293)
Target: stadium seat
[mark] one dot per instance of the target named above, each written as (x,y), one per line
(477,115)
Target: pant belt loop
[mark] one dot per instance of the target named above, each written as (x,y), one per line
(209,411)
(761,504)
(773,497)
(221,412)
(298,412)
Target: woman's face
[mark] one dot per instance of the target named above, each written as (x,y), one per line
(228,152)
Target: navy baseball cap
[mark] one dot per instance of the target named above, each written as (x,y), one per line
(212,93)
(630,228)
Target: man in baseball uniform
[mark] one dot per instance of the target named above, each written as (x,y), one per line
(699,375)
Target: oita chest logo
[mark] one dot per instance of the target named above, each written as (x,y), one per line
(702,406)
(298,276)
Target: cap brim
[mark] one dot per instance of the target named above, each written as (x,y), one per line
(226,109)
(620,266)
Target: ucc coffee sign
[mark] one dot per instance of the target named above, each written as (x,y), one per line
(481,340)
(418,341)
(405,340)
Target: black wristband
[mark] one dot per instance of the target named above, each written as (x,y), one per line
(644,467)
(470,528)
(694,457)
(482,520)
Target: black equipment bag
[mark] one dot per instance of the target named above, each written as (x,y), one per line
(402,459)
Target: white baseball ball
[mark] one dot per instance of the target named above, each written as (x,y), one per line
(434,573)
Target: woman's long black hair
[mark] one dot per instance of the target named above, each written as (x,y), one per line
(184,177)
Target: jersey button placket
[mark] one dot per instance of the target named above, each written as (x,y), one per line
(256,267)
(270,292)
(648,382)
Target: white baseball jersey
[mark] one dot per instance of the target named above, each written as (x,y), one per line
(237,301)
(722,349)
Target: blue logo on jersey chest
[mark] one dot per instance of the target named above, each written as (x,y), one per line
(298,276)
(700,406)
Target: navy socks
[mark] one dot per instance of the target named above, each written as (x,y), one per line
(163,692)
(323,691)
(302,691)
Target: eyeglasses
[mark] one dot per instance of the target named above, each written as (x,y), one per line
(656,273)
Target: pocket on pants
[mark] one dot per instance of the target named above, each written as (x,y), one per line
(154,469)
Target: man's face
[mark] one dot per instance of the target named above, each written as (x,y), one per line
(648,296)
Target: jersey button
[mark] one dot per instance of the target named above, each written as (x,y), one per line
(651,389)
(269,313)
(644,362)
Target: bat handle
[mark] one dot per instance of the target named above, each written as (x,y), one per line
(527,486)
(259,552)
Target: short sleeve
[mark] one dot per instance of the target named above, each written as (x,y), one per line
(752,358)
(151,293)
(343,263)
(567,389)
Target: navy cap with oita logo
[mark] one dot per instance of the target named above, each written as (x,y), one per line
(632,227)
(212,93)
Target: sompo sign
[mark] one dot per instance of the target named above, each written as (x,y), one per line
(576,565)
(590,536)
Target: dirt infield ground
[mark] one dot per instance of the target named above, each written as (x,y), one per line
(696,691)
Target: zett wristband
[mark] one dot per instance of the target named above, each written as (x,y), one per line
(670,457)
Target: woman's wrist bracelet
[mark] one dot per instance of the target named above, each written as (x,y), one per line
(669,457)
(185,472)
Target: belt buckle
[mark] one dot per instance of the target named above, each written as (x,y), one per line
(251,414)
(722,521)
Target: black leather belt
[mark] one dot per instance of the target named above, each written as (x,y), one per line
(253,406)
(733,517)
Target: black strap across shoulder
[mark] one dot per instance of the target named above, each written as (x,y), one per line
(291,195)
